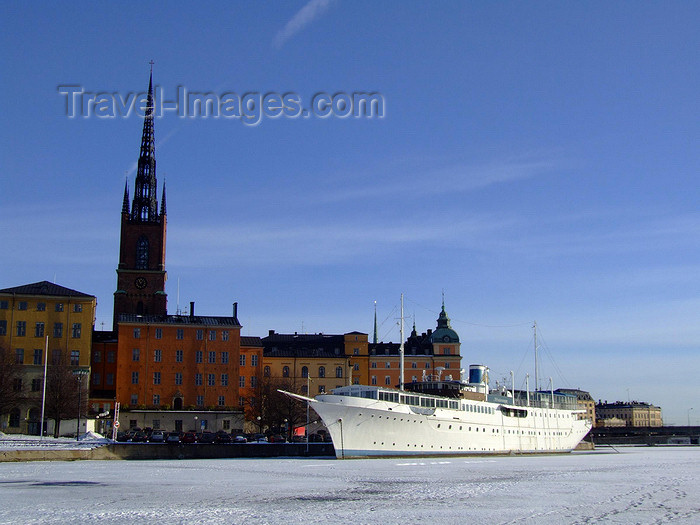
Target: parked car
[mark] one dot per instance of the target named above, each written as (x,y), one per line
(189,437)
(240,439)
(172,437)
(222,437)
(207,437)
(139,437)
(122,436)
(277,438)
(157,436)
(260,438)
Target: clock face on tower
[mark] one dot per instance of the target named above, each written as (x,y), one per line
(140,283)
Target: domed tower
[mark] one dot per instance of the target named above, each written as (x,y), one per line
(446,346)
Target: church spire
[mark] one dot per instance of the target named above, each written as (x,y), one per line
(125,204)
(145,205)
(163,211)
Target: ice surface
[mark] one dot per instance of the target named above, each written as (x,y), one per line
(636,485)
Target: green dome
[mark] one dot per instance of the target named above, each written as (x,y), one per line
(444,332)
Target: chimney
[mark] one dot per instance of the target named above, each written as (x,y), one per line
(271,332)
(235,310)
(191,308)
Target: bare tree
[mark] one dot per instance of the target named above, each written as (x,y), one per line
(275,409)
(11,388)
(61,393)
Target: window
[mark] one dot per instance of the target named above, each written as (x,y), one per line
(36,384)
(200,335)
(156,422)
(211,379)
(266,371)
(321,371)
(37,356)
(355,351)
(241,381)
(374,365)
(339,371)
(157,356)
(356,367)
(226,424)
(178,378)
(96,379)
(446,350)
(199,356)
(111,356)
(156,378)
(241,402)
(178,425)
(109,379)
(224,335)
(304,371)
(198,379)
(253,381)
(40,307)
(4,305)
(387,380)
(321,389)
(135,354)
(76,331)
(212,335)
(58,329)
(134,401)
(254,360)
(142,253)
(21,328)
(447,365)
(374,380)
(14,418)
(55,357)
(285,371)
(17,384)
(59,307)
(74,357)
(97,356)
(134,378)
(179,333)
(222,401)
(3,327)
(387,365)
(159,333)
(414,365)
(224,358)
(77,308)
(22,305)
(156,401)
(224,379)
(304,389)
(200,401)
(212,357)
(242,360)
(137,333)
(355,380)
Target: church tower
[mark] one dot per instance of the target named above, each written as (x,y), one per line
(141,271)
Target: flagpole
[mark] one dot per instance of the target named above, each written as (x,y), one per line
(43,396)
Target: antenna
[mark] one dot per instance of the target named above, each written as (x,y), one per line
(177,307)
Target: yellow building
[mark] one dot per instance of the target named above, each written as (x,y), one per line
(583,400)
(32,317)
(634,414)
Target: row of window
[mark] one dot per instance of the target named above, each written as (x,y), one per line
(199,402)
(388,365)
(40,307)
(180,334)
(38,354)
(198,357)
(198,379)
(305,371)
(21,329)
(36,384)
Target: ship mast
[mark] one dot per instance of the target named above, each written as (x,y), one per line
(401,349)
(537,384)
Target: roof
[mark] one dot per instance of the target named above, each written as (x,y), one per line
(179,320)
(303,345)
(45,288)
(247,340)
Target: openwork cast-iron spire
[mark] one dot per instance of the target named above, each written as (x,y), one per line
(145,205)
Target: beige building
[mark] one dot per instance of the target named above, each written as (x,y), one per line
(583,400)
(634,414)
(32,317)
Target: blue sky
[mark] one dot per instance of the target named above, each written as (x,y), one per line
(536,161)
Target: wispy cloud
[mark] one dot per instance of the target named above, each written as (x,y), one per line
(307,14)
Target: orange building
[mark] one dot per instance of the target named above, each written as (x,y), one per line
(179,363)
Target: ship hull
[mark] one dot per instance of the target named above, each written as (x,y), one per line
(372,428)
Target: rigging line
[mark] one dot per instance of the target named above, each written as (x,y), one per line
(467,322)
(387,317)
(551,357)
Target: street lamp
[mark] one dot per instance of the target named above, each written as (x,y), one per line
(79,374)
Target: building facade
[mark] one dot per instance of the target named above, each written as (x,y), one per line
(634,414)
(37,320)
(583,400)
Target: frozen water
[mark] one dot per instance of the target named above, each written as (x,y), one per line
(636,485)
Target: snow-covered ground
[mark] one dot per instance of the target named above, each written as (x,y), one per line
(636,485)
(22,442)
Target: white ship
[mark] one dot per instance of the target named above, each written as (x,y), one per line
(371,421)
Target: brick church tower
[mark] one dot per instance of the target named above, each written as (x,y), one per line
(141,272)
